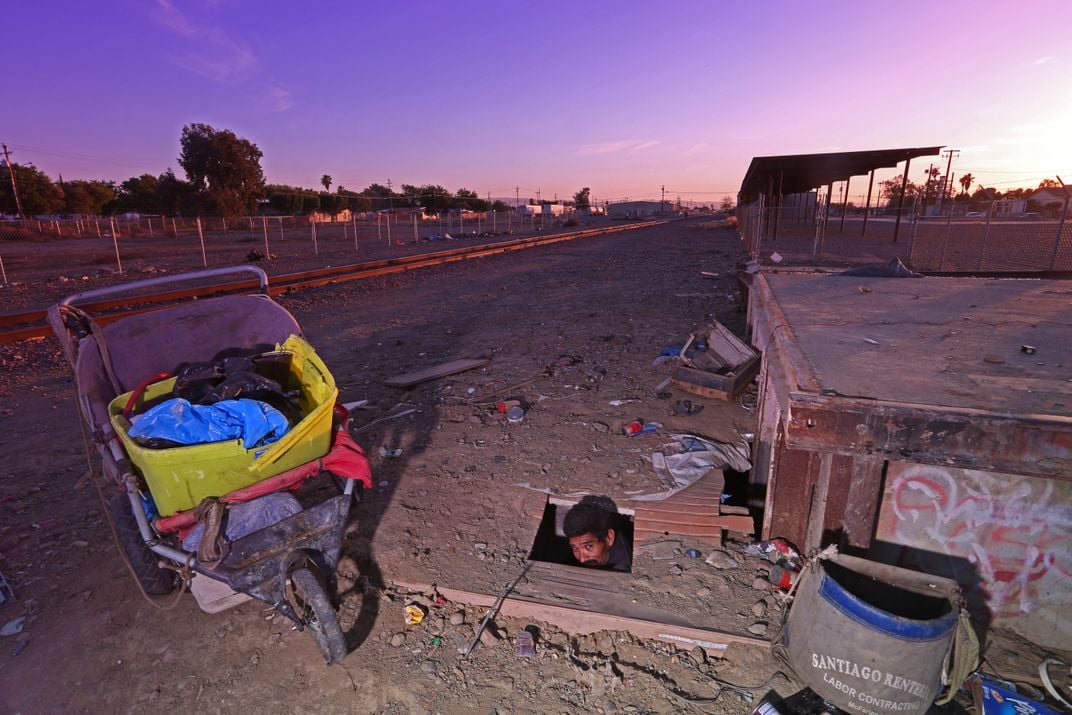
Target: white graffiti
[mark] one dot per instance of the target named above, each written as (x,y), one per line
(1017,531)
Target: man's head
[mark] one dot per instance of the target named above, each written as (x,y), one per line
(589,528)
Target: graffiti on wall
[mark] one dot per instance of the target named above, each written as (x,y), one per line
(1016,532)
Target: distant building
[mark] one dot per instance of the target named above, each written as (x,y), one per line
(544,209)
(1047,196)
(638,209)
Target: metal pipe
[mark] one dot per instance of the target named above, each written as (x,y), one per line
(986,235)
(845,205)
(161,280)
(867,209)
(900,204)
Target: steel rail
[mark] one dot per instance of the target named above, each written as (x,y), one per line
(32,327)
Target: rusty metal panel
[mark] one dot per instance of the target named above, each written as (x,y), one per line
(1021,444)
(792,488)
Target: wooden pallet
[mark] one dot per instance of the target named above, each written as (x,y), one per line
(695,511)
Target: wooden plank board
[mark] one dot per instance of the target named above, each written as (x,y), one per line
(582,622)
(434,373)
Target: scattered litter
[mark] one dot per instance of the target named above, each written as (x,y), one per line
(863,289)
(693,553)
(13,626)
(524,645)
(453,367)
(873,342)
(994,697)
(688,407)
(680,463)
(390,453)
(639,426)
(619,403)
(1047,682)
(708,274)
(414,614)
(893,269)
(776,257)
(777,551)
(6,593)
(1029,349)
(505,405)
(355,405)
(515,415)
(393,416)
(720,560)
(20,647)
(782,577)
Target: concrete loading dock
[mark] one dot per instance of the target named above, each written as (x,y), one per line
(902,419)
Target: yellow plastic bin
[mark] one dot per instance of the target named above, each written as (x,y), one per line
(180,477)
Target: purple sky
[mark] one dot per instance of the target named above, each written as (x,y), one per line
(620,96)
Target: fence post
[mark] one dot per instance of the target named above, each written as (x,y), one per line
(280,228)
(416,238)
(1060,228)
(264,225)
(115,242)
(96,222)
(3,271)
(316,248)
(493,221)
(201,237)
(986,235)
(945,243)
(388,222)
(150,222)
(379,231)
(354,222)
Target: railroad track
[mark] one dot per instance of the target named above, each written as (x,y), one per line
(32,323)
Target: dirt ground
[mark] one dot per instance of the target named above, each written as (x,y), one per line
(567,329)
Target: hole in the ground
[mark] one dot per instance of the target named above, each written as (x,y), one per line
(551,544)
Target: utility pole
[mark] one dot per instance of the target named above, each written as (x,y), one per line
(390,201)
(517,194)
(949,165)
(14,186)
(662,201)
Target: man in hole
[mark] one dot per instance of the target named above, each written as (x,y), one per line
(589,526)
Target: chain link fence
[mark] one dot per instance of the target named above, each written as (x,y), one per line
(968,239)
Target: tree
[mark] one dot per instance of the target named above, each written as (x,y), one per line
(582,200)
(467,199)
(499,206)
(224,169)
(138,193)
(175,194)
(36,191)
(326,181)
(891,189)
(1048,184)
(87,197)
(966,181)
(727,204)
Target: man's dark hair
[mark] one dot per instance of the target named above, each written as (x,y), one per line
(588,518)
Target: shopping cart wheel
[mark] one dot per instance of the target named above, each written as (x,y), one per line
(154,580)
(316,610)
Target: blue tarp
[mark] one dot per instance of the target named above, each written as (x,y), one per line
(255,423)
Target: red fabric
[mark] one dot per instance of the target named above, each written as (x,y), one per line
(346,459)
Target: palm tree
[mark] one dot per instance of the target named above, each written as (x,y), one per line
(966,181)
(326,181)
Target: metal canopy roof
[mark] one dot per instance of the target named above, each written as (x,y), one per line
(797,173)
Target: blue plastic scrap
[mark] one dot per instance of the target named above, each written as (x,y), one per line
(256,423)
